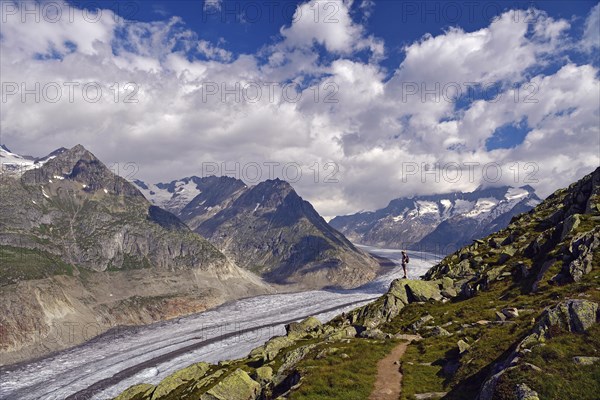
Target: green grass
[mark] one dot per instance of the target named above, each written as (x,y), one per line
(336,378)
(420,378)
(491,343)
(560,377)
(18,264)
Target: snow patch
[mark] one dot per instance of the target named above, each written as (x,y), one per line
(516,193)
(427,207)
(182,194)
(484,205)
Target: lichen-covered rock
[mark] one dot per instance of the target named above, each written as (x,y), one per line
(448,288)
(143,391)
(236,386)
(463,346)
(343,333)
(422,291)
(570,224)
(263,375)
(524,392)
(438,331)
(571,315)
(582,248)
(292,357)
(181,382)
(398,290)
(415,326)
(583,360)
(269,350)
(374,334)
(384,309)
(300,328)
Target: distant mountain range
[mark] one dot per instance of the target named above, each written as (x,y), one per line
(438,223)
(266,228)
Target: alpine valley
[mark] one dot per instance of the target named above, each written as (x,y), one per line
(515,315)
(82,249)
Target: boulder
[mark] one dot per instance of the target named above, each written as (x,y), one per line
(509,239)
(374,334)
(463,346)
(463,269)
(582,248)
(582,360)
(448,288)
(524,392)
(236,386)
(510,312)
(420,322)
(422,291)
(488,389)
(439,331)
(269,350)
(343,333)
(521,271)
(300,328)
(571,315)
(143,391)
(263,375)
(382,310)
(570,224)
(398,290)
(180,382)
(292,357)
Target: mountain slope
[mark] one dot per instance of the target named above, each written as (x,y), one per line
(101,252)
(513,316)
(438,223)
(273,231)
(191,193)
(270,230)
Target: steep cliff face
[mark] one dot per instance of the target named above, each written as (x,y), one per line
(438,223)
(68,225)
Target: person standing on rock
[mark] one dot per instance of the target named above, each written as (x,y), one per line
(405,261)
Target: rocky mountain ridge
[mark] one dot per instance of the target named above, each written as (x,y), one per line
(81,245)
(438,223)
(268,229)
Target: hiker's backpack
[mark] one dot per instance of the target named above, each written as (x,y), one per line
(407,259)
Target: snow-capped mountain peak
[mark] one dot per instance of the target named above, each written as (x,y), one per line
(13,163)
(446,218)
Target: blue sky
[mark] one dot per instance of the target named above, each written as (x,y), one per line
(377,87)
(248,25)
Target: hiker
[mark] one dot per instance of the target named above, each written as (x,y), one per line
(405,261)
